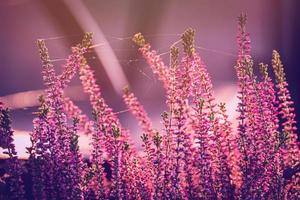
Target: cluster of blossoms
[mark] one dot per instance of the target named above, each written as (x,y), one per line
(197,155)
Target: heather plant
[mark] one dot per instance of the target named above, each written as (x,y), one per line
(14,167)
(196,155)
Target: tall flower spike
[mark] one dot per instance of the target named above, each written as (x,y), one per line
(106,118)
(230,145)
(140,114)
(223,148)
(40,161)
(57,119)
(71,67)
(48,69)
(129,181)
(97,159)
(158,166)
(138,111)
(271,148)
(76,163)
(169,128)
(197,157)
(153,60)
(203,110)
(203,98)
(181,118)
(68,72)
(14,168)
(286,111)
(58,129)
(250,128)
(109,127)
(178,142)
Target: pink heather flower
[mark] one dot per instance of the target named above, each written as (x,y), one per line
(144,191)
(287,147)
(76,165)
(227,137)
(133,181)
(6,139)
(243,53)
(128,183)
(271,156)
(223,155)
(72,65)
(197,156)
(243,38)
(259,146)
(109,128)
(181,144)
(138,111)
(106,116)
(14,168)
(61,146)
(74,111)
(158,166)
(203,158)
(286,111)
(168,140)
(261,154)
(153,60)
(69,70)
(148,162)
(292,188)
(41,156)
(250,130)
(97,160)
(176,91)
(228,144)
(205,109)
(168,146)
(107,120)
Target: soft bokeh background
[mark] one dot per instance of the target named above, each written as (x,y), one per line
(272,24)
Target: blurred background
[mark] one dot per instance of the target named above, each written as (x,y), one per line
(273,24)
